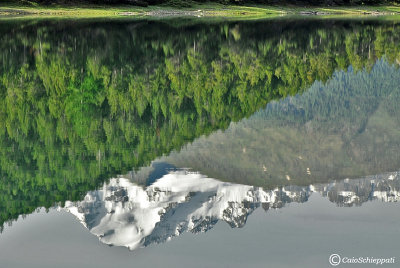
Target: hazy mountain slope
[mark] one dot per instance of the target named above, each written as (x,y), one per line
(348,127)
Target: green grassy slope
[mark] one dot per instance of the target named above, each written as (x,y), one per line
(196,10)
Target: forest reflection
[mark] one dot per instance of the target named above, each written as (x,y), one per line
(83,101)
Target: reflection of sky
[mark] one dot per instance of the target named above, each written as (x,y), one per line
(301,234)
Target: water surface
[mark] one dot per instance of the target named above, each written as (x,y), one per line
(184,143)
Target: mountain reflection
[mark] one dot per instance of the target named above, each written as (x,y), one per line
(124,213)
(75,111)
(348,127)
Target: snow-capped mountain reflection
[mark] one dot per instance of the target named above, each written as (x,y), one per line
(127,214)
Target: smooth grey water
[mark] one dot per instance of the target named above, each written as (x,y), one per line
(270,143)
(301,235)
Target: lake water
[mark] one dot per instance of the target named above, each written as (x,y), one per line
(194,143)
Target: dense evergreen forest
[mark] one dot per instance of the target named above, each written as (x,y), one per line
(81,102)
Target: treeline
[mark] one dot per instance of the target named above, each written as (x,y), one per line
(81,102)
